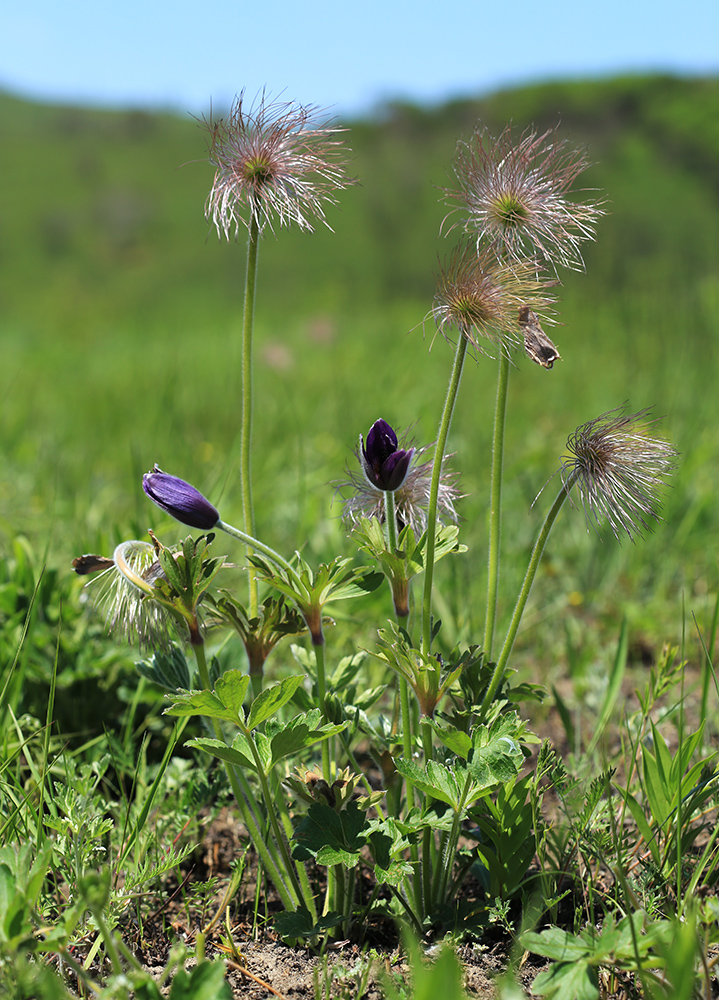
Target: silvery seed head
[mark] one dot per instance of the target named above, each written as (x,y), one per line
(274,161)
(124,595)
(481,296)
(618,469)
(516,196)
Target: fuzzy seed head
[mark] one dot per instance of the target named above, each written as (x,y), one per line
(481,297)
(619,470)
(274,162)
(123,596)
(516,196)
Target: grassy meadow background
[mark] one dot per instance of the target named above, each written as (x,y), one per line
(120,316)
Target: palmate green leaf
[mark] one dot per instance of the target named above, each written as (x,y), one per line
(329,837)
(335,581)
(567,981)
(205,982)
(279,741)
(559,945)
(298,734)
(231,689)
(389,868)
(496,755)
(239,754)
(435,780)
(225,702)
(457,740)
(272,699)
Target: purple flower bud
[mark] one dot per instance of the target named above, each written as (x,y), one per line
(178,498)
(384,464)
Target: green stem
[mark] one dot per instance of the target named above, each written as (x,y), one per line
(390,520)
(405,715)
(439,448)
(321,697)
(495,503)
(265,550)
(524,594)
(243,796)
(277,830)
(109,941)
(248,519)
(428,845)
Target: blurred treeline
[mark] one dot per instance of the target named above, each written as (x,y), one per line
(120,313)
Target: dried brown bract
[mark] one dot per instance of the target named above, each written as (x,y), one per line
(537,344)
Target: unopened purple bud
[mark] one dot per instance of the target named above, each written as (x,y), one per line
(385,465)
(178,498)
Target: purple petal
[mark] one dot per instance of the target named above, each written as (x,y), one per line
(180,499)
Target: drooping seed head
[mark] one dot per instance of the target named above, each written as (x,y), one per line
(123,594)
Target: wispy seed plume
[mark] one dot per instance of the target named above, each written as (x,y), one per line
(481,296)
(516,195)
(619,470)
(275,162)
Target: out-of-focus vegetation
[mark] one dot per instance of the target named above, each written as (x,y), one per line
(120,314)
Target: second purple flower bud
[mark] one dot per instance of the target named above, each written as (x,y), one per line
(178,498)
(384,464)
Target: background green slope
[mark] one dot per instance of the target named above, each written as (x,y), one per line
(120,314)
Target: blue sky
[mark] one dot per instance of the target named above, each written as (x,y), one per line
(349,56)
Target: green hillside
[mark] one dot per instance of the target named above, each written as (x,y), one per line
(119,312)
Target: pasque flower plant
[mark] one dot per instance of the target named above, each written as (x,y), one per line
(520,225)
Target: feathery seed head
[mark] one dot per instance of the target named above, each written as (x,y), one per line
(274,161)
(618,469)
(516,196)
(124,593)
(482,297)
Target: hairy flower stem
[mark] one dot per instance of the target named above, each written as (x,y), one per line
(405,713)
(248,517)
(443,432)
(244,798)
(429,847)
(534,561)
(256,545)
(319,649)
(495,503)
